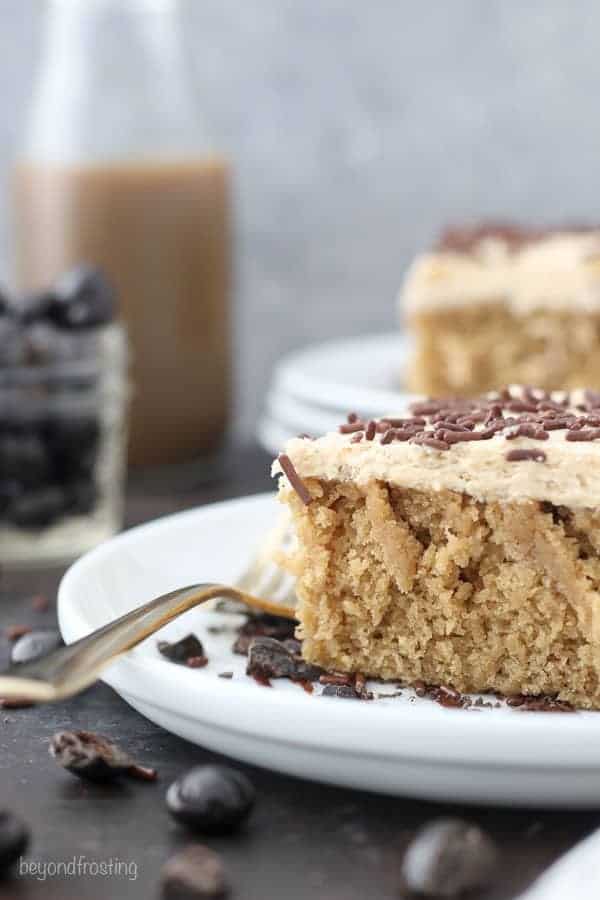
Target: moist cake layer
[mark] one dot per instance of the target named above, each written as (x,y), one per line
(426,449)
(482,345)
(434,585)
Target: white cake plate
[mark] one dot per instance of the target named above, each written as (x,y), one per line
(399,745)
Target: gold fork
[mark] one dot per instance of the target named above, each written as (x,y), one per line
(73,668)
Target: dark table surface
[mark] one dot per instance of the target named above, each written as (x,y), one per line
(304,840)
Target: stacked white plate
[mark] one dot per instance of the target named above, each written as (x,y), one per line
(312,390)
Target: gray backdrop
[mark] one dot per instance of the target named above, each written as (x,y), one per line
(357,129)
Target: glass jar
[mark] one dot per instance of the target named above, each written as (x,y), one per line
(116,170)
(62,441)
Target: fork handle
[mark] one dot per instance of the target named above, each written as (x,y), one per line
(73,668)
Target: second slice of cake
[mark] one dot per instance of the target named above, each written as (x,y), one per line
(458,545)
(498,304)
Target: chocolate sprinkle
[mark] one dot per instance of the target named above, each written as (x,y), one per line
(444,695)
(466,238)
(460,437)
(520,406)
(426,441)
(404,434)
(399,423)
(526,454)
(351,427)
(294,479)
(528,429)
(448,697)
(335,678)
(544,703)
(525,412)
(591,434)
(556,424)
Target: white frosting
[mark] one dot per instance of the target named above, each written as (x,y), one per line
(561,271)
(570,476)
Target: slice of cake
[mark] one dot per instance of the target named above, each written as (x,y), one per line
(456,545)
(496,304)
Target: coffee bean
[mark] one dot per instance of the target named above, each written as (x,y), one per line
(12,345)
(72,441)
(180,651)
(212,799)
(35,644)
(82,497)
(9,491)
(23,458)
(448,857)
(38,508)
(28,418)
(195,873)
(14,838)
(82,298)
(46,343)
(33,307)
(94,757)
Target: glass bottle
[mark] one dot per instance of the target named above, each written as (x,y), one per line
(116,171)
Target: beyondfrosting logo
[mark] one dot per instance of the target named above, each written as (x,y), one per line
(78,867)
